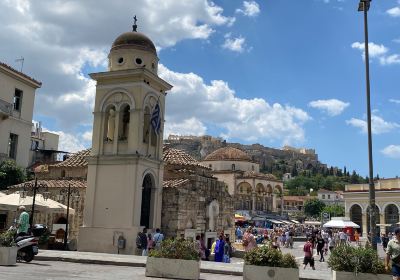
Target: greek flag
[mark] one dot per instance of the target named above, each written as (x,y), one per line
(156,119)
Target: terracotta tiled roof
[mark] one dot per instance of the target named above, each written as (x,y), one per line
(228,153)
(175,183)
(75,160)
(253,174)
(7,67)
(178,157)
(55,184)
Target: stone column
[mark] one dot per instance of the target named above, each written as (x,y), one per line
(364,224)
(273,202)
(253,197)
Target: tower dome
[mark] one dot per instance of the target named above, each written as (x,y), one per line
(133,50)
(134,40)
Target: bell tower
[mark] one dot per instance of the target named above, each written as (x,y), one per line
(125,169)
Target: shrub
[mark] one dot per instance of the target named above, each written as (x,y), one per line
(7,239)
(356,259)
(266,256)
(176,249)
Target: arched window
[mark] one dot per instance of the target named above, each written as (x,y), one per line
(233,167)
(146,125)
(124,119)
(109,123)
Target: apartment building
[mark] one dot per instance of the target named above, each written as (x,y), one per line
(17,96)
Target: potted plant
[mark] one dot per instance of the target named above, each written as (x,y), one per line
(348,262)
(8,250)
(174,259)
(268,263)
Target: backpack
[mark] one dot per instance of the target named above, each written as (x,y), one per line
(138,242)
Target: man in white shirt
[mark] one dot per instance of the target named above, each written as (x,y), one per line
(343,237)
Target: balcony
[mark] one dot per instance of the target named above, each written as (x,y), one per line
(5,109)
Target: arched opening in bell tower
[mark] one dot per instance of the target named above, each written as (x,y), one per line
(146,201)
(124,120)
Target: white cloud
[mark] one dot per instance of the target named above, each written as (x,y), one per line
(375,50)
(250,9)
(394,12)
(191,126)
(59,39)
(379,52)
(234,44)
(396,101)
(215,105)
(87,136)
(332,107)
(391,59)
(392,151)
(378,125)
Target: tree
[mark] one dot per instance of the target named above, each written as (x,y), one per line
(334,210)
(11,174)
(313,207)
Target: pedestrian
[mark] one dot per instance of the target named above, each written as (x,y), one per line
(393,253)
(320,247)
(291,238)
(219,249)
(343,237)
(308,254)
(204,247)
(23,222)
(227,251)
(150,243)
(141,242)
(331,243)
(385,241)
(249,242)
(239,234)
(200,248)
(158,238)
(357,237)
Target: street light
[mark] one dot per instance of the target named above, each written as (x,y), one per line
(34,187)
(74,192)
(363,6)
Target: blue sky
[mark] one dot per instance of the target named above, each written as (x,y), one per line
(270,72)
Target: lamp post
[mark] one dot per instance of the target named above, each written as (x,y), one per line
(34,187)
(363,6)
(68,193)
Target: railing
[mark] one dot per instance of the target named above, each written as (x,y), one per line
(5,109)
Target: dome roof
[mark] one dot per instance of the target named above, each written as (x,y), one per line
(228,153)
(134,40)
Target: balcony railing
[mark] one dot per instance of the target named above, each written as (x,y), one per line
(5,109)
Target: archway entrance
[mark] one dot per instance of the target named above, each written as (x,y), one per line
(146,201)
(356,216)
(391,217)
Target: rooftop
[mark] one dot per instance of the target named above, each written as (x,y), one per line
(20,74)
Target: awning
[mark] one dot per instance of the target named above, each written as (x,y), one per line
(313,223)
(239,218)
(296,222)
(340,224)
(274,221)
(383,225)
(12,201)
(286,222)
(258,219)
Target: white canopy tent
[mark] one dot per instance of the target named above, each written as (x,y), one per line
(340,222)
(12,201)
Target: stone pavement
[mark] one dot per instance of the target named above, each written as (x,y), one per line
(234,268)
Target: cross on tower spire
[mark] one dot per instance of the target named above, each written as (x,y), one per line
(134,26)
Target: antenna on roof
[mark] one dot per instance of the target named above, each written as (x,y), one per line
(22,62)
